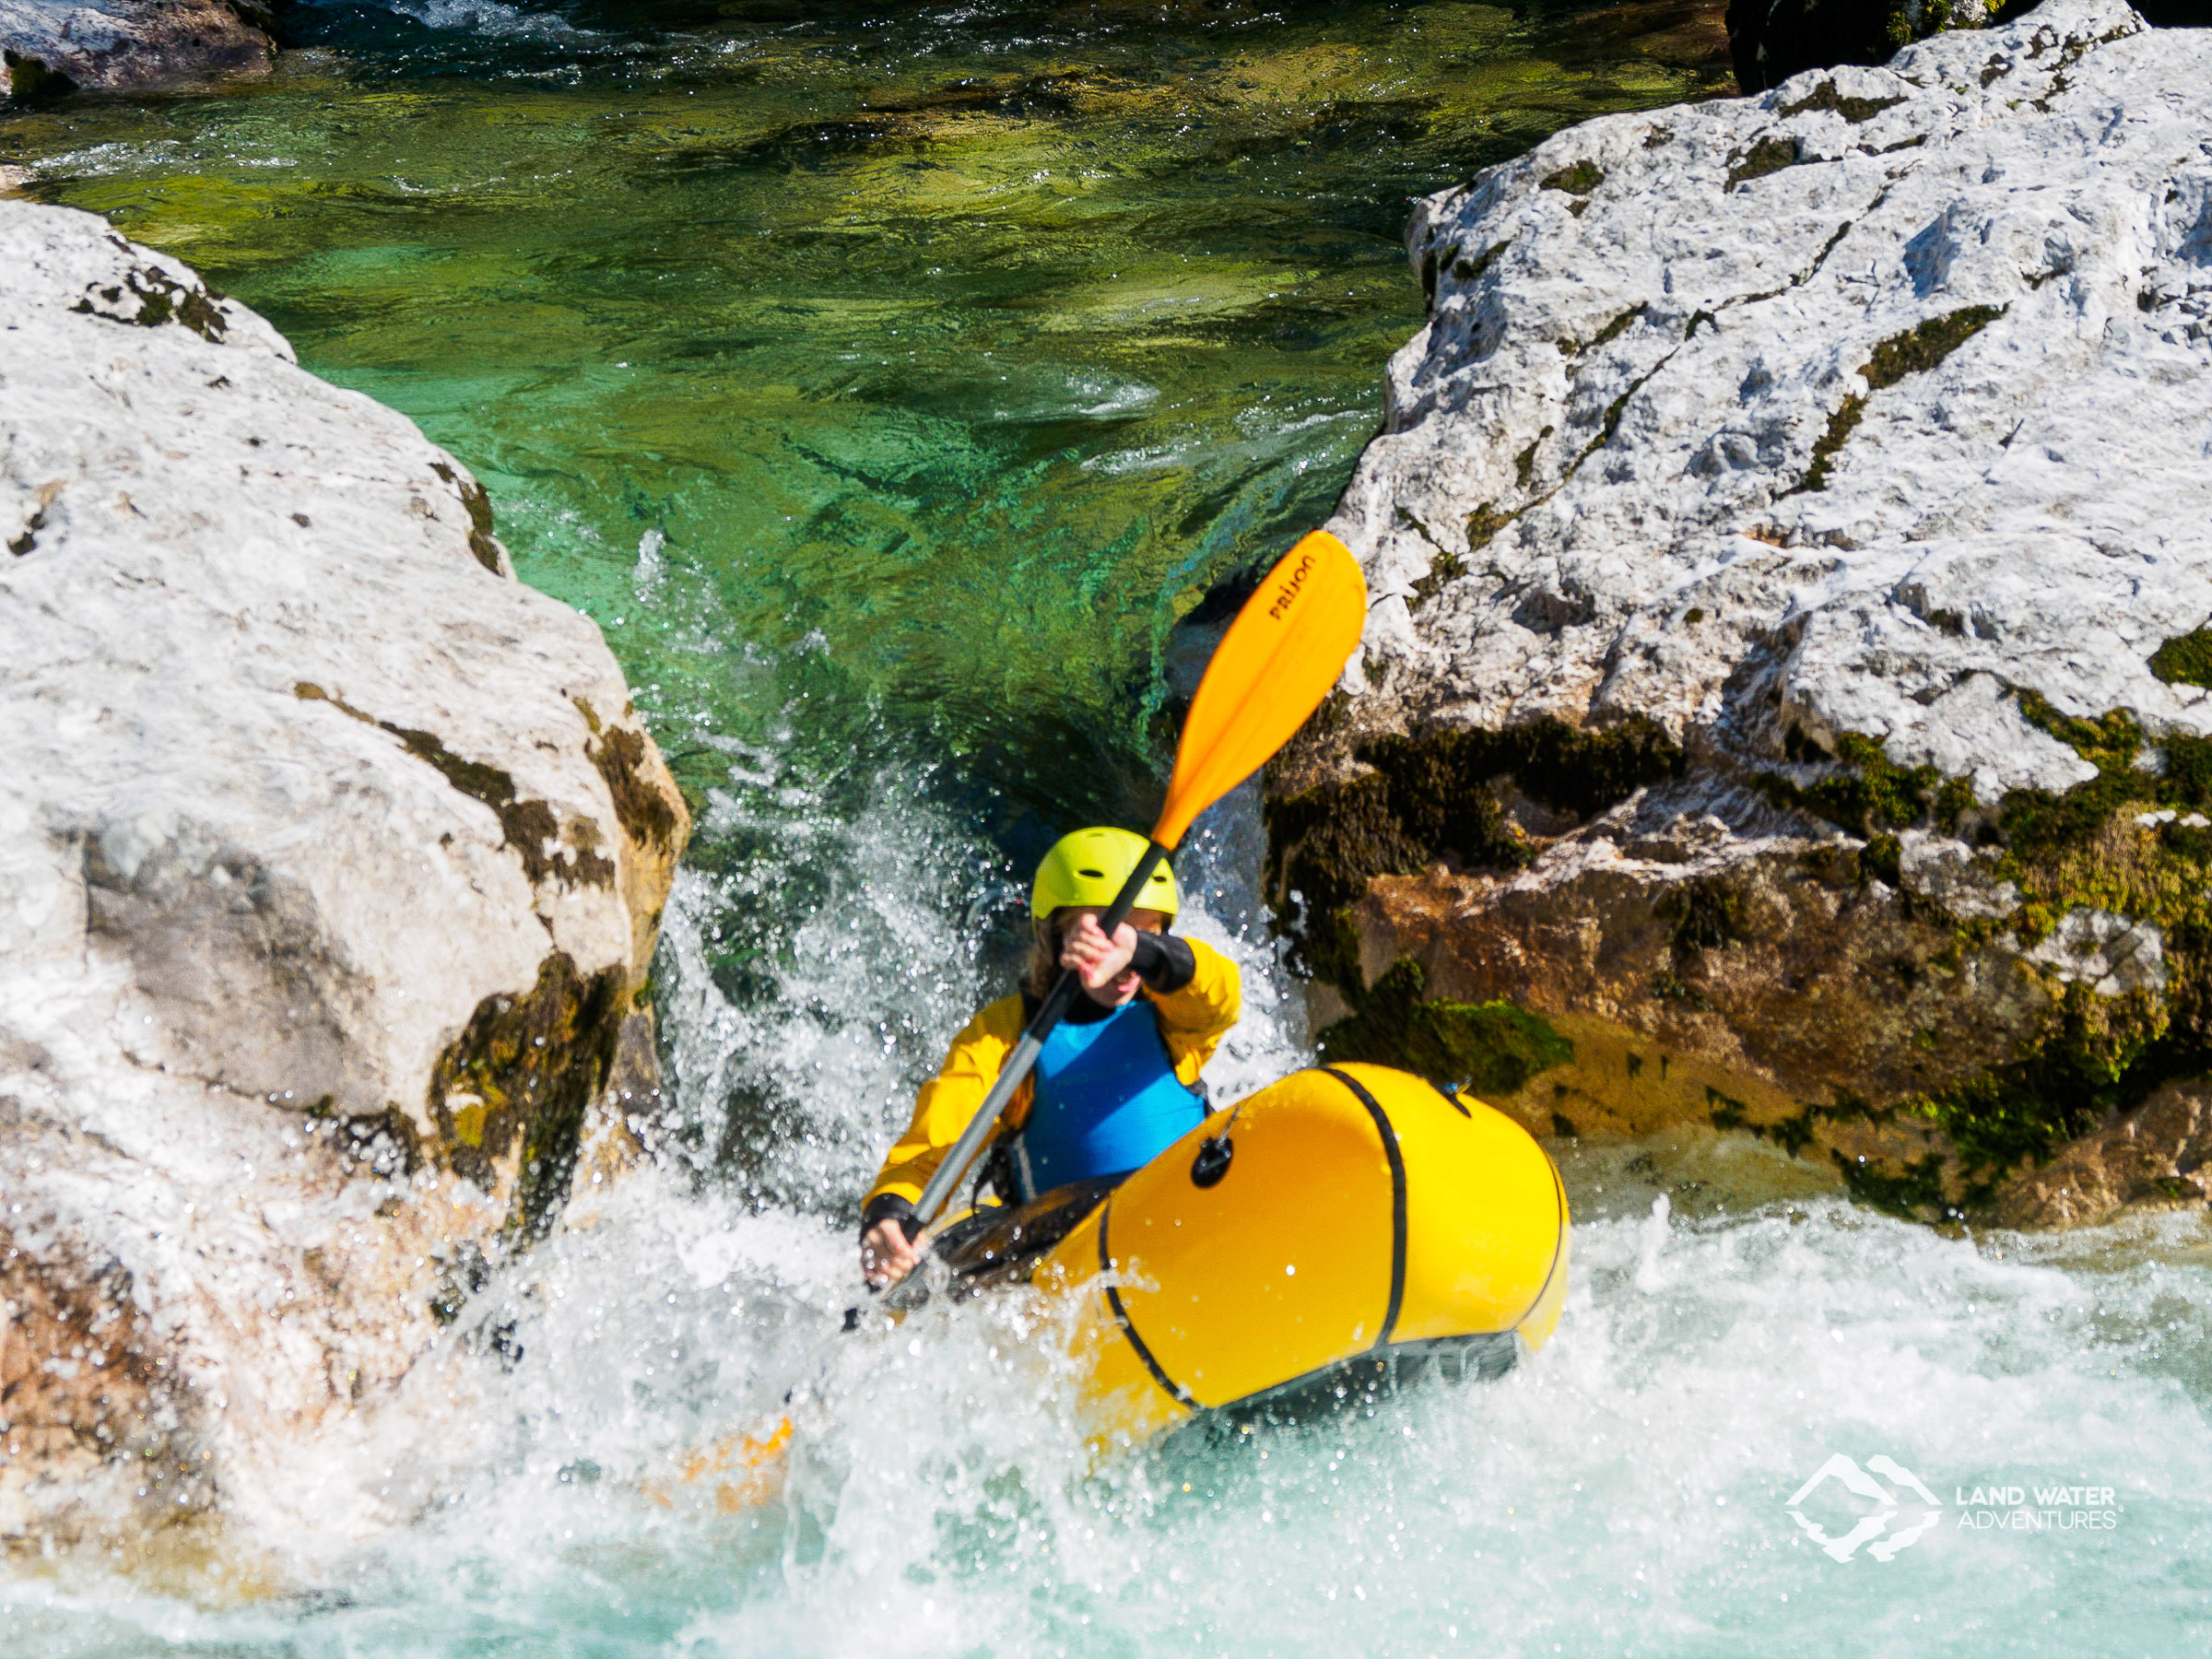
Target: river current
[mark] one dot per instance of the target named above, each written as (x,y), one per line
(893,384)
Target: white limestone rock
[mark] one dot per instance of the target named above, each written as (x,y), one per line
(330,857)
(1633,379)
(2107,951)
(1865,409)
(1667,349)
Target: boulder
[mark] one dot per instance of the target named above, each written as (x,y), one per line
(51,47)
(1784,700)
(2156,1156)
(331,862)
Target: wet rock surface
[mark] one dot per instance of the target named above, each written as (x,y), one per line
(49,48)
(2153,1158)
(1785,685)
(331,863)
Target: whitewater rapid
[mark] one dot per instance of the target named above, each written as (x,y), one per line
(1732,1326)
(839,530)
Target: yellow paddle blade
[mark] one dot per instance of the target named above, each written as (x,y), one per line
(740,1472)
(1271,670)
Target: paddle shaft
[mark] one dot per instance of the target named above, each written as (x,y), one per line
(1053,1009)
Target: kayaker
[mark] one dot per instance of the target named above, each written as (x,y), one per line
(1117,1082)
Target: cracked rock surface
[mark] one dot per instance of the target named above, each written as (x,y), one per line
(1850,444)
(331,861)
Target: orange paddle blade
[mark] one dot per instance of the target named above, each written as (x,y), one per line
(741,1472)
(1271,670)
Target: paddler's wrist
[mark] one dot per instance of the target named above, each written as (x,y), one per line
(1164,962)
(886,1206)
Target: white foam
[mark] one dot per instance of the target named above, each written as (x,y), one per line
(1621,1491)
(489,17)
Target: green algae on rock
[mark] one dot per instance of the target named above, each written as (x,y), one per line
(511,1094)
(1444,796)
(1923,895)
(1493,1048)
(1914,351)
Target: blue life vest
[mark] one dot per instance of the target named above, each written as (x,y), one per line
(1107,1101)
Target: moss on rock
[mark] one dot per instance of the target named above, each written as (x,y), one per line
(527,825)
(2103,1055)
(1769,154)
(2115,843)
(1876,796)
(521,1076)
(1492,1048)
(1913,351)
(2185,660)
(1922,347)
(479,507)
(1853,110)
(2079,1050)
(640,807)
(1580,178)
(1437,797)
(1915,1191)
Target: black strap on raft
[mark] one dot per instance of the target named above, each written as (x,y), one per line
(1389,1134)
(1397,1199)
(1176,1391)
(1559,1250)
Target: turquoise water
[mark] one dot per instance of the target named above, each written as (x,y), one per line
(948,354)
(889,382)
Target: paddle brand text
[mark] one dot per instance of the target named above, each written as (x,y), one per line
(1289,592)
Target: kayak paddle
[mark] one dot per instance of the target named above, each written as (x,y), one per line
(1270,671)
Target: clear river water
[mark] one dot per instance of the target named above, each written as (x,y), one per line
(889,381)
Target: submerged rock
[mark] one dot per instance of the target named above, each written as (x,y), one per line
(1784,702)
(331,862)
(51,47)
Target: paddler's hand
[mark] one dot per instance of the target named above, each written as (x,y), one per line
(885,1254)
(1102,963)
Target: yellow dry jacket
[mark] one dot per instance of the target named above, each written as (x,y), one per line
(1192,1023)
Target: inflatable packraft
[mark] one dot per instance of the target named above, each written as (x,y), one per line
(1336,1234)
(1328,1236)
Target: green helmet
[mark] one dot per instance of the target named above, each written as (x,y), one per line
(1088,866)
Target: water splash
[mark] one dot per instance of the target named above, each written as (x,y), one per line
(490,20)
(925,525)
(813,980)
(815,976)
(1622,1492)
